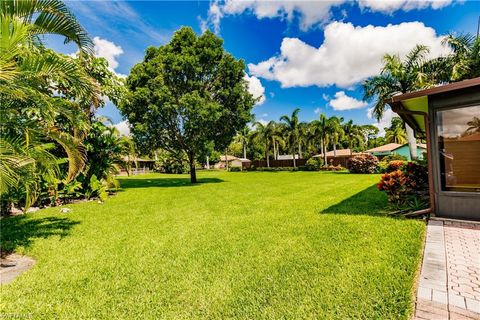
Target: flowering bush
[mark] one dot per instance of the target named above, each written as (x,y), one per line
(406,183)
(362,163)
(395,165)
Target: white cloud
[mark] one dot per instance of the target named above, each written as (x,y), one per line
(255,88)
(108,50)
(390,6)
(317,110)
(344,102)
(384,122)
(123,127)
(308,13)
(347,56)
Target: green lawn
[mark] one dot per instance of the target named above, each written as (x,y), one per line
(257,245)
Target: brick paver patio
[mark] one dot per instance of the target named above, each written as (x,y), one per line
(449,284)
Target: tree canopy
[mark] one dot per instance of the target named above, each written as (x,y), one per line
(186,95)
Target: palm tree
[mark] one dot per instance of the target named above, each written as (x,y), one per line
(264,132)
(292,124)
(277,140)
(397,135)
(29,74)
(397,77)
(462,63)
(473,125)
(353,135)
(323,131)
(46,17)
(243,137)
(336,133)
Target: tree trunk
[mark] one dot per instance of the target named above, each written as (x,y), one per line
(334,150)
(325,155)
(274,150)
(244,150)
(294,162)
(412,142)
(299,150)
(266,155)
(208,163)
(193,174)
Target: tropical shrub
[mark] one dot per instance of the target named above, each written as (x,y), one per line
(235,169)
(382,166)
(362,163)
(313,164)
(395,165)
(407,186)
(47,104)
(169,162)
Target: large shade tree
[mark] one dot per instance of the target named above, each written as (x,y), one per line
(186,95)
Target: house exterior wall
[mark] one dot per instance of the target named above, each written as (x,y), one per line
(452,204)
(405,151)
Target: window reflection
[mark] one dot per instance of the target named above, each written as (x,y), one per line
(459,148)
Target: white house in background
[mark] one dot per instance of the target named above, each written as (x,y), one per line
(232,162)
(286,157)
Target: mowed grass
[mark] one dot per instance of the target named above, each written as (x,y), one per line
(256,245)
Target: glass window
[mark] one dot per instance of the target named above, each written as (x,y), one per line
(459,147)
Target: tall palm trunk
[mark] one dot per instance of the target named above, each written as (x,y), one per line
(266,154)
(244,150)
(293,157)
(334,149)
(274,150)
(412,142)
(299,150)
(324,151)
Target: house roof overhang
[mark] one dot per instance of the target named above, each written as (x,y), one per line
(417,101)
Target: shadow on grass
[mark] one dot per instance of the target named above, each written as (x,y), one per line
(20,231)
(369,201)
(128,183)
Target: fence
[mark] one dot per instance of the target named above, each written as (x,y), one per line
(278,163)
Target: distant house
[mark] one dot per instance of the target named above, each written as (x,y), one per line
(339,157)
(395,148)
(286,157)
(232,162)
(137,165)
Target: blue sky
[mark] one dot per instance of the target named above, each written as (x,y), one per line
(311,55)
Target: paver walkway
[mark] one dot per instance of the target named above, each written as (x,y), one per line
(449,284)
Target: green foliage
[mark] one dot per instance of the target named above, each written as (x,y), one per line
(162,239)
(234,169)
(406,185)
(393,157)
(314,164)
(47,100)
(382,166)
(363,163)
(172,162)
(97,188)
(187,94)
